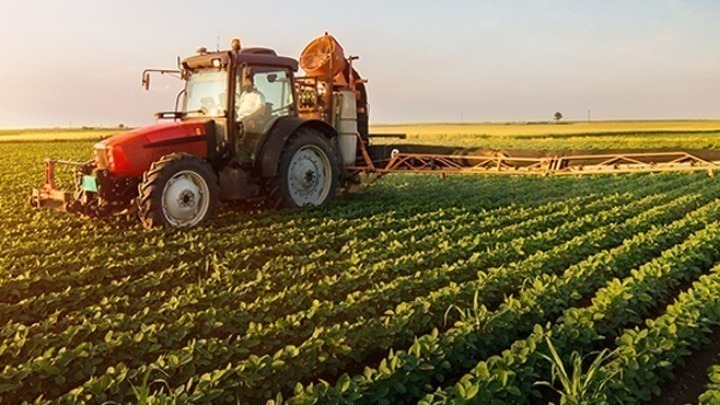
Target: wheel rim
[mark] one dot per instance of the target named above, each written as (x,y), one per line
(309,176)
(185,199)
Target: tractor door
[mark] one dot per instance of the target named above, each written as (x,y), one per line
(263,94)
(206,98)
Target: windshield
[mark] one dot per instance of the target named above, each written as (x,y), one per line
(206,94)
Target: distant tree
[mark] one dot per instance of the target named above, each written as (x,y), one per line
(121,125)
(558,116)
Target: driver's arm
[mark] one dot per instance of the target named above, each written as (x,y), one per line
(259,100)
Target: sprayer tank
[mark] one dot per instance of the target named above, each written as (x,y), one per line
(347,126)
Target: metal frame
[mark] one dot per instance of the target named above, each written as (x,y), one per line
(49,196)
(578,164)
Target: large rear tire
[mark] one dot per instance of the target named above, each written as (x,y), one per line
(179,190)
(308,172)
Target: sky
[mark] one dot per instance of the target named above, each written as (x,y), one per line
(78,63)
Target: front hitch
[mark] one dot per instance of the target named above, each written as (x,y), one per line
(96,194)
(48,196)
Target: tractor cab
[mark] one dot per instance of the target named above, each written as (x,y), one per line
(243,92)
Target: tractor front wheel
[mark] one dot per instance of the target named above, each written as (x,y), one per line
(179,190)
(308,172)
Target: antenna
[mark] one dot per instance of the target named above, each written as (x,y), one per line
(218,41)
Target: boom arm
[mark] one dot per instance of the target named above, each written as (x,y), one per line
(442,164)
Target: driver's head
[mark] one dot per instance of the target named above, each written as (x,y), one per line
(248,78)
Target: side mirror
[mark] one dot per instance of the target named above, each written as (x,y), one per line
(146,75)
(146,80)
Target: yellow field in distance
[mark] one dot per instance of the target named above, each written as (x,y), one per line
(562,136)
(60,134)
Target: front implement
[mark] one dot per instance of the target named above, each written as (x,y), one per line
(49,196)
(86,198)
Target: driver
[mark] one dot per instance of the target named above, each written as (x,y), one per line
(251,105)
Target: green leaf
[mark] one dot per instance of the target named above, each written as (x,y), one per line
(343,383)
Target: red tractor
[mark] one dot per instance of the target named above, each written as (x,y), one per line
(247,129)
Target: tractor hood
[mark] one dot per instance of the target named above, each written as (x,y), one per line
(131,153)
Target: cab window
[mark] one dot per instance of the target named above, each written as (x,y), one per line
(263,94)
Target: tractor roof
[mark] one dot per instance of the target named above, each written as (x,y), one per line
(253,56)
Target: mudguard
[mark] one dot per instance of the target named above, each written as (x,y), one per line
(272,145)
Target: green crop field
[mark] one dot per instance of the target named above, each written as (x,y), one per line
(468,289)
(562,136)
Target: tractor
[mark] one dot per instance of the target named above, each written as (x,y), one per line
(244,128)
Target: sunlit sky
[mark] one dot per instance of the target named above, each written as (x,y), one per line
(79,62)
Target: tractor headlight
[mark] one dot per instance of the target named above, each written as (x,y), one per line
(110,158)
(99,155)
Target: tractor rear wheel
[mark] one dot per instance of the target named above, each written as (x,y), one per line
(308,172)
(179,190)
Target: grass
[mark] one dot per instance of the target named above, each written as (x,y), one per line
(579,386)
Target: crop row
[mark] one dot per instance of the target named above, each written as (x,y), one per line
(129,347)
(159,280)
(156,287)
(364,266)
(252,250)
(712,394)
(102,340)
(403,375)
(511,376)
(320,349)
(187,297)
(259,301)
(32,309)
(249,231)
(647,355)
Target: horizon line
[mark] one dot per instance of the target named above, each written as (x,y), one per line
(386,124)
